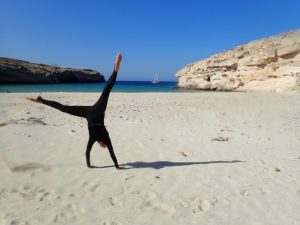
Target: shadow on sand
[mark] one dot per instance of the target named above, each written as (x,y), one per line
(161,164)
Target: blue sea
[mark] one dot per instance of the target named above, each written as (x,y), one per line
(120,86)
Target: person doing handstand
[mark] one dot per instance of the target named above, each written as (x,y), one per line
(93,114)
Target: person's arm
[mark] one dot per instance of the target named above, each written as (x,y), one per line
(112,154)
(87,153)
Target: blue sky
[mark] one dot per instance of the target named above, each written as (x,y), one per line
(154,36)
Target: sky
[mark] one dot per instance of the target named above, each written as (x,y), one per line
(154,36)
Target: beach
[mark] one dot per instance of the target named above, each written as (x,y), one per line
(189,158)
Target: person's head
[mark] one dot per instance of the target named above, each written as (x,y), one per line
(102,144)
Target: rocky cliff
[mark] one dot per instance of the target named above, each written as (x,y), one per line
(18,71)
(269,64)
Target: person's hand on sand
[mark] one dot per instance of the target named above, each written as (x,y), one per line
(118,62)
(37,100)
(121,168)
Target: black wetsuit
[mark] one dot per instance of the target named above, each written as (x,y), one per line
(95,118)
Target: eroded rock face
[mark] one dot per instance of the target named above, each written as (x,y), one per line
(18,71)
(269,64)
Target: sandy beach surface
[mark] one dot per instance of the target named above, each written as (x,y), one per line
(190,158)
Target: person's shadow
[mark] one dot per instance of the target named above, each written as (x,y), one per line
(161,164)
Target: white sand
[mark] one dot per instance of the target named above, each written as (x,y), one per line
(44,179)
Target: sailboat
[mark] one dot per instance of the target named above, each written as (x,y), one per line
(155,80)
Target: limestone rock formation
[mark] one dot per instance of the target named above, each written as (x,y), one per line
(269,64)
(18,71)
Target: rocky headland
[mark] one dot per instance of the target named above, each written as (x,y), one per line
(19,71)
(268,64)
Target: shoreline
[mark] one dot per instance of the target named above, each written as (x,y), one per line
(120,87)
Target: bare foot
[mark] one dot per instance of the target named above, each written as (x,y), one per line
(37,100)
(118,62)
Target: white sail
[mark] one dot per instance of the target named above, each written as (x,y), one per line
(155,80)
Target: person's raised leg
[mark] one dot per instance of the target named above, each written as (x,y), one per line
(80,111)
(102,101)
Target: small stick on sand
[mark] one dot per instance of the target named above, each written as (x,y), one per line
(3,124)
(182,154)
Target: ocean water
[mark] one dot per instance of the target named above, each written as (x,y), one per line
(120,86)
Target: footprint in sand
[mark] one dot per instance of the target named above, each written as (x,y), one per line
(91,187)
(201,206)
(71,195)
(144,200)
(127,178)
(157,205)
(45,196)
(112,223)
(263,162)
(150,200)
(94,188)
(179,203)
(29,193)
(265,192)
(68,214)
(63,217)
(116,202)
(85,184)
(23,221)
(244,193)
(33,192)
(214,201)
(2,191)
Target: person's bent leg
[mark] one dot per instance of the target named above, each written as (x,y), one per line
(88,152)
(80,111)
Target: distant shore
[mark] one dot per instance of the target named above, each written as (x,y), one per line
(15,71)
